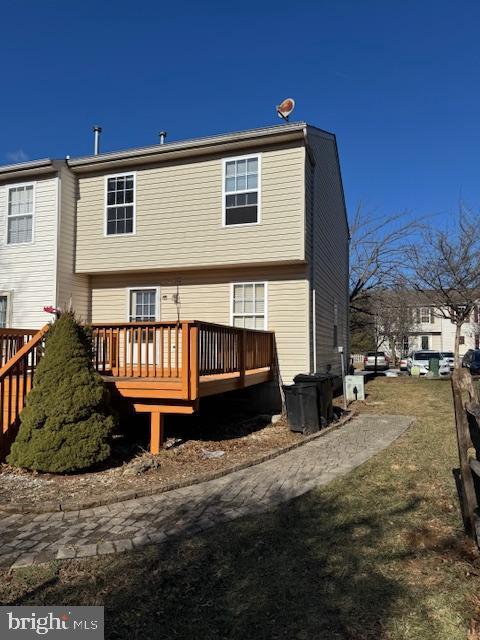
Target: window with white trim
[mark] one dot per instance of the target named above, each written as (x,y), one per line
(425,315)
(143,305)
(241,190)
(425,342)
(3,311)
(120,204)
(20,214)
(248,305)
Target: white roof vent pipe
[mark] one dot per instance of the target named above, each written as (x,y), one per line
(96,144)
(162,135)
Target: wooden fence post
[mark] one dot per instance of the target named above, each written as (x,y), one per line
(469,499)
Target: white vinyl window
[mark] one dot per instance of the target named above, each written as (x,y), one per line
(3,311)
(241,190)
(143,305)
(120,214)
(249,305)
(20,214)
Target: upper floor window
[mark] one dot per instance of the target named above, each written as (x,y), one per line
(248,305)
(425,315)
(20,214)
(241,190)
(120,215)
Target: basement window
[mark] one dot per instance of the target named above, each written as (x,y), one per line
(120,214)
(241,191)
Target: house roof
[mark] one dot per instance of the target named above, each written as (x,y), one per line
(195,146)
(285,132)
(22,169)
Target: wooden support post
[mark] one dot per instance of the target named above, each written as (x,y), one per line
(242,339)
(194,363)
(185,359)
(156,431)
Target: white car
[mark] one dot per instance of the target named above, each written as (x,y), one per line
(421,359)
(448,359)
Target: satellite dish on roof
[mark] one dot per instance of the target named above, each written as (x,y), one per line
(285,108)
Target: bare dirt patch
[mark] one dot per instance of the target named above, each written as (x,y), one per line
(182,460)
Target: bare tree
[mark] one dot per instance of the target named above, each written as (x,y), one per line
(393,319)
(377,251)
(445,270)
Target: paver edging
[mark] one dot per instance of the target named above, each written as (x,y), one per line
(52,507)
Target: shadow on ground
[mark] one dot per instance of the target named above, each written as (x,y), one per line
(308,569)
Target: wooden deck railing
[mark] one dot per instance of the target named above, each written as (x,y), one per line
(183,355)
(182,351)
(16,378)
(11,341)
(225,349)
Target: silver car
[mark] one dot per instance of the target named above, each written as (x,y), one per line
(376,361)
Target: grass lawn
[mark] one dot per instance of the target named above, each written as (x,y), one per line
(379,554)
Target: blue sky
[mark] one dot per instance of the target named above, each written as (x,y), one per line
(396,81)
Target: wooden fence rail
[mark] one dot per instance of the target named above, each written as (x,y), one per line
(467,419)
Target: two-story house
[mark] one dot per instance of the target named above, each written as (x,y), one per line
(37,231)
(246,229)
(431,330)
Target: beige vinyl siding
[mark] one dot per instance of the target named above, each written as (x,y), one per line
(179,218)
(206,295)
(72,289)
(328,240)
(27,271)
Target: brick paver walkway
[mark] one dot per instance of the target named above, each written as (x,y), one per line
(27,539)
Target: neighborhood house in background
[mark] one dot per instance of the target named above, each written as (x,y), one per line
(430,331)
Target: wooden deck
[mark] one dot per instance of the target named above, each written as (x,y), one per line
(158,367)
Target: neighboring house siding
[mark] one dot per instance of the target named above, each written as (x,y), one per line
(329,244)
(27,271)
(205,295)
(179,218)
(72,289)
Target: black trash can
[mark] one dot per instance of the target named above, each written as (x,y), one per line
(324,384)
(302,407)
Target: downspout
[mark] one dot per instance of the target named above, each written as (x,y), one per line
(313,319)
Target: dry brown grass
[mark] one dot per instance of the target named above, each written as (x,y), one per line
(377,555)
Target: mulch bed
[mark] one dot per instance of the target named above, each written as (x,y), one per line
(183,460)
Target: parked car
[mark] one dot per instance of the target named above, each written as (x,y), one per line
(421,359)
(403,364)
(471,360)
(448,359)
(376,360)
